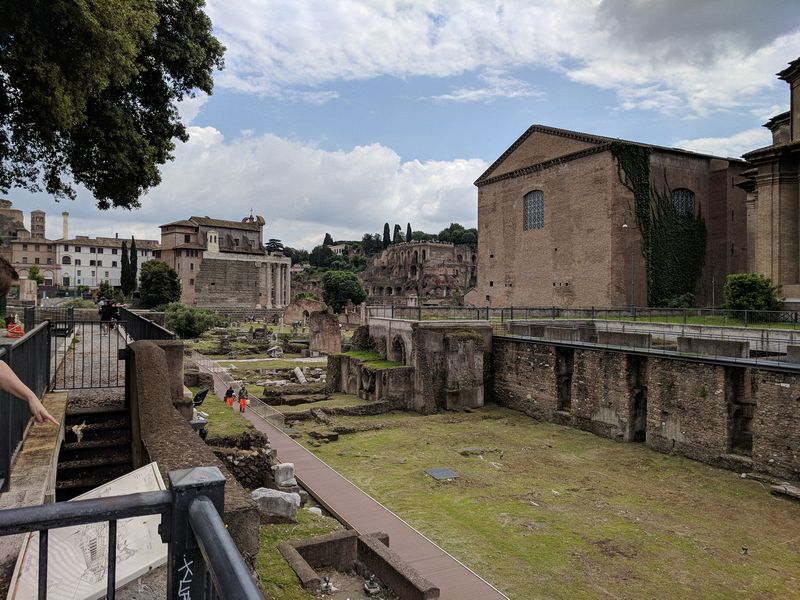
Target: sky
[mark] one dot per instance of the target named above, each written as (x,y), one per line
(338,116)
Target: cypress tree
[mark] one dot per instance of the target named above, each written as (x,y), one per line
(396,237)
(125,266)
(328,240)
(408,232)
(134,272)
(386,239)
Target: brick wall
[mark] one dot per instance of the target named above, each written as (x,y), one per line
(729,416)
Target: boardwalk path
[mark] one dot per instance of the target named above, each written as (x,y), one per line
(363,514)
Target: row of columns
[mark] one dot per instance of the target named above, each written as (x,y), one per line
(275,287)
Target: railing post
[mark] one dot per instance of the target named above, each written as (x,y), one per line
(186,569)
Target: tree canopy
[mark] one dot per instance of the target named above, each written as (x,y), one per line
(159,284)
(35,274)
(751,291)
(340,286)
(275,245)
(386,239)
(89,92)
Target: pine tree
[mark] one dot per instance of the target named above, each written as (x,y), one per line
(134,260)
(125,275)
(408,232)
(386,239)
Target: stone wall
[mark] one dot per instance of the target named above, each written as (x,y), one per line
(349,375)
(162,435)
(325,333)
(729,416)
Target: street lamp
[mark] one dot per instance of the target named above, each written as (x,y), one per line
(629,242)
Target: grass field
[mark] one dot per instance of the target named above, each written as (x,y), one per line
(275,363)
(222,421)
(335,401)
(553,512)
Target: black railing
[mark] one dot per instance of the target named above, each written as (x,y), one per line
(785,319)
(29,358)
(139,328)
(89,360)
(202,560)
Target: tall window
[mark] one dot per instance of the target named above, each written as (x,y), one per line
(683,201)
(533,210)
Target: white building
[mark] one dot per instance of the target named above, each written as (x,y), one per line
(86,261)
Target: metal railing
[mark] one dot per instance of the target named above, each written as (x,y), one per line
(29,358)
(223,380)
(139,328)
(202,560)
(719,317)
(92,359)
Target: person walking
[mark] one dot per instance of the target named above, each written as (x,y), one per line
(242,398)
(106,312)
(229,396)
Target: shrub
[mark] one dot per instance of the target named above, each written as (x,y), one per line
(751,291)
(188,322)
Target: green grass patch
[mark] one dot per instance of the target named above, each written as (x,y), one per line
(335,401)
(556,512)
(222,421)
(274,572)
(373,360)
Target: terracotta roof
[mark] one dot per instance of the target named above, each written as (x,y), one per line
(209,222)
(603,143)
(183,223)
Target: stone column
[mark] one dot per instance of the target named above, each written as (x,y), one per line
(269,285)
(279,286)
(288,283)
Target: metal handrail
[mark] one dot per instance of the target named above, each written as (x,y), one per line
(190,524)
(139,328)
(227,570)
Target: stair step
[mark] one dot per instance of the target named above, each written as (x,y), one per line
(96,410)
(121,458)
(124,440)
(102,425)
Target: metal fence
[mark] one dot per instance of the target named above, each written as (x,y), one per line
(223,380)
(202,560)
(92,357)
(690,316)
(29,358)
(139,328)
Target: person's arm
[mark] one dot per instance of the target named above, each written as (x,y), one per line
(9,382)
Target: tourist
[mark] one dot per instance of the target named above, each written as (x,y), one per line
(229,396)
(101,304)
(9,382)
(242,398)
(106,312)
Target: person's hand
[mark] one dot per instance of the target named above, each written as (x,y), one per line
(40,414)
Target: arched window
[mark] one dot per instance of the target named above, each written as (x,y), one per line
(533,210)
(66,260)
(683,201)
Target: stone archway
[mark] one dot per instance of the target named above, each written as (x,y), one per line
(398,350)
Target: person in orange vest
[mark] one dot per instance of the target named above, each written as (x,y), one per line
(242,398)
(229,396)
(15,330)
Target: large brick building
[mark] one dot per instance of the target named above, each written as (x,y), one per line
(557,225)
(773,196)
(224,263)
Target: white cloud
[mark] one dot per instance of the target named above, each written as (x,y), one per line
(734,145)
(302,190)
(671,56)
(189,108)
(497,85)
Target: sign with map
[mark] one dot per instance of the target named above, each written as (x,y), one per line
(78,556)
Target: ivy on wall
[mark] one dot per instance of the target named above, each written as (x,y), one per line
(673,243)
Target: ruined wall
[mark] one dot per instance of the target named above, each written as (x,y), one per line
(776,423)
(729,416)
(349,375)
(686,412)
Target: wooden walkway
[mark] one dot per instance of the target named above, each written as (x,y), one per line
(364,515)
